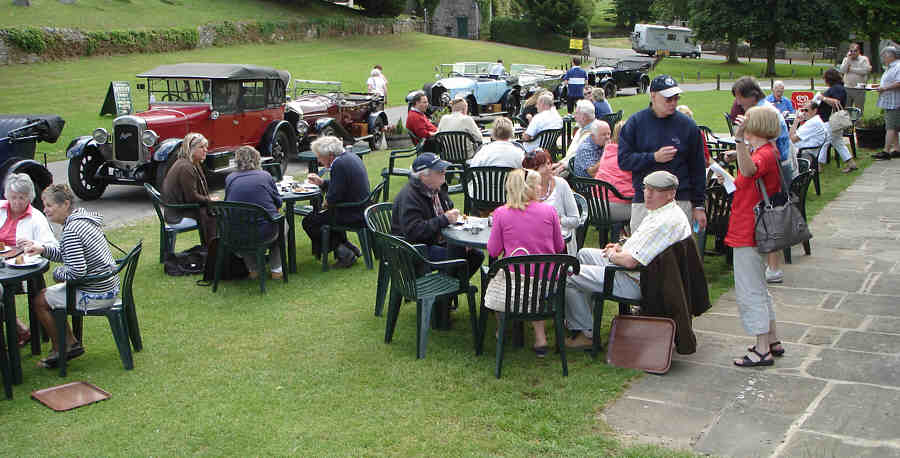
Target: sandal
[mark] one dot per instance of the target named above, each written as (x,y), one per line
(849,169)
(747,362)
(24,338)
(774,351)
(52,360)
(541,351)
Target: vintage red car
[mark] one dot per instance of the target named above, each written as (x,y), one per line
(232,105)
(320,108)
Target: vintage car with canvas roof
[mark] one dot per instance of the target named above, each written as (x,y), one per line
(320,108)
(231,104)
(473,81)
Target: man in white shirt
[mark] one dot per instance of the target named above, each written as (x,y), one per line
(458,120)
(546,119)
(497,70)
(813,132)
(584,115)
(855,69)
(665,225)
(500,152)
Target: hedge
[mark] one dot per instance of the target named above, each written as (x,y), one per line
(525,33)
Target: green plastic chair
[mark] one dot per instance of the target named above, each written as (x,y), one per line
(378,219)
(168,233)
(392,170)
(597,193)
(546,139)
(122,315)
(811,154)
(484,188)
(5,368)
(406,263)
(530,298)
(582,205)
(362,231)
(238,226)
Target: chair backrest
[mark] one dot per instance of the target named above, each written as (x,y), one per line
(582,205)
(240,225)
(156,198)
(803,164)
(718,210)
(855,114)
(730,123)
(131,262)
(485,187)
(415,139)
(799,98)
(404,260)
(454,147)
(535,284)
(274,169)
(596,193)
(378,217)
(799,188)
(546,139)
(712,142)
(612,118)
(810,153)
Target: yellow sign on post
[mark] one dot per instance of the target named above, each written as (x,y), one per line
(575,43)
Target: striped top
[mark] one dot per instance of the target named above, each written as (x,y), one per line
(83,251)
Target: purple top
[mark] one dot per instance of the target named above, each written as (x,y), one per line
(535,229)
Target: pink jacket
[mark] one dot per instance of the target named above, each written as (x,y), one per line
(609,171)
(536,229)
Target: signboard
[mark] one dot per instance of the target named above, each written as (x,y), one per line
(118,99)
(575,43)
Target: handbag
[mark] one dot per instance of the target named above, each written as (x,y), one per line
(233,267)
(495,293)
(779,223)
(839,120)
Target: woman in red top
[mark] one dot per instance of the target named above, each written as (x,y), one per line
(757,160)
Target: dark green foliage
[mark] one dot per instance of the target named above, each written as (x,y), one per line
(561,16)
(631,12)
(28,39)
(524,33)
(382,7)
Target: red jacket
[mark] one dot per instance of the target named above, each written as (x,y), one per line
(419,124)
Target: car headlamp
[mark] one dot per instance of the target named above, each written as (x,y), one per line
(149,138)
(100,135)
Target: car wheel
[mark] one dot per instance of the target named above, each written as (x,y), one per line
(280,150)
(643,85)
(609,89)
(511,105)
(328,131)
(377,133)
(81,175)
(474,109)
(162,169)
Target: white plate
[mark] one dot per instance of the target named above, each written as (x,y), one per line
(6,250)
(29,261)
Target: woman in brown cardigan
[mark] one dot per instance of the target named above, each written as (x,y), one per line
(185,183)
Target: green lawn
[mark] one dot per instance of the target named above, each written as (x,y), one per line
(139,14)
(708,69)
(75,88)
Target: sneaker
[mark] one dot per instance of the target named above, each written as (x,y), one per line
(345,256)
(580,341)
(774,276)
(882,156)
(895,154)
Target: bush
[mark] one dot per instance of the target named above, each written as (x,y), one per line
(382,7)
(524,33)
(28,39)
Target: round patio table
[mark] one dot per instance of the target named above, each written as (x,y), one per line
(10,277)
(290,198)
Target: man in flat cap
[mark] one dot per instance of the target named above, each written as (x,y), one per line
(664,225)
(661,138)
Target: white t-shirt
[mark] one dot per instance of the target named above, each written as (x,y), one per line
(376,85)
(813,132)
(498,154)
(545,120)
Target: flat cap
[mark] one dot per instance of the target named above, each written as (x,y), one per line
(661,179)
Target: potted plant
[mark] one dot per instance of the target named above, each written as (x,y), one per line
(396,136)
(870,131)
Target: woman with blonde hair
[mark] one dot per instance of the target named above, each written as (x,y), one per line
(529,108)
(185,183)
(757,161)
(252,185)
(523,226)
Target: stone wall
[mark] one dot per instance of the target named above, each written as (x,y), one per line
(443,20)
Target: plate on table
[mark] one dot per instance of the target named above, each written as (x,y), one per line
(27,261)
(6,249)
(306,187)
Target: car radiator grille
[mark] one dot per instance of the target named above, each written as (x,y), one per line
(128,141)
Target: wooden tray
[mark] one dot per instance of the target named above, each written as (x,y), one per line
(641,342)
(69,396)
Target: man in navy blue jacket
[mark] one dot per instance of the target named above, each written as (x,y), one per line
(661,138)
(577,78)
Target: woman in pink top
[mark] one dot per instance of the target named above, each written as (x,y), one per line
(608,170)
(524,226)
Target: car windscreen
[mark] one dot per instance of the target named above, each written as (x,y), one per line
(178,90)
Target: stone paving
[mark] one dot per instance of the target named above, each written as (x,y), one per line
(836,392)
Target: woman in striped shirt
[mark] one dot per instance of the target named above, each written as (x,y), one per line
(83,251)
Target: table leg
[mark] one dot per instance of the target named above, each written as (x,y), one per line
(35,286)
(292,241)
(12,345)
(4,366)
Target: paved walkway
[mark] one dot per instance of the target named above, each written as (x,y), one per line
(836,392)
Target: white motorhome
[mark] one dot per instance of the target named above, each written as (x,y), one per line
(678,41)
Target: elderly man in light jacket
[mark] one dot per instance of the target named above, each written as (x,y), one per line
(584,116)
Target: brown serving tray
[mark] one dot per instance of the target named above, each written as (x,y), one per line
(641,342)
(69,396)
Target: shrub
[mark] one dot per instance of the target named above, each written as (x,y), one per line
(524,33)
(28,39)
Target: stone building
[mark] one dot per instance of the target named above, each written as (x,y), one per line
(455,18)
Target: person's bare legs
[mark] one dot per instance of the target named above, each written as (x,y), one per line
(890,141)
(771,337)
(540,334)
(772,260)
(45,316)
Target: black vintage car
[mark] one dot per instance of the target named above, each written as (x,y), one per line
(19,135)
(613,77)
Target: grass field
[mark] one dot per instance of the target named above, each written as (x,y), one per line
(139,14)
(686,70)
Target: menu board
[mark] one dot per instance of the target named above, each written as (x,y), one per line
(118,99)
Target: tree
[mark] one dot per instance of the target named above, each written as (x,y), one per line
(713,20)
(631,12)
(382,7)
(562,16)
(874,19)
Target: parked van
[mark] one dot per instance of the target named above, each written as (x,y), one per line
(678,41)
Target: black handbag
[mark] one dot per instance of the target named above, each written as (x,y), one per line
(779,223)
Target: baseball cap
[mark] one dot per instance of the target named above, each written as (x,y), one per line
(665,85)
(661,179)
(429,161)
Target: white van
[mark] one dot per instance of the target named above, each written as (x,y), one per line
(678,41)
